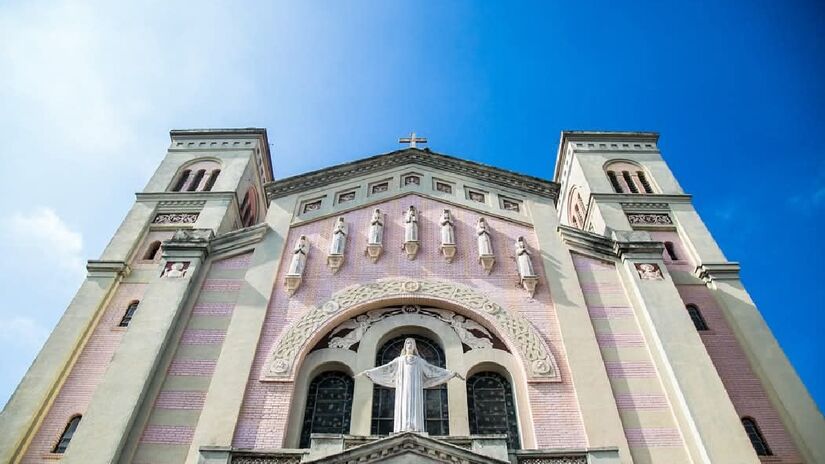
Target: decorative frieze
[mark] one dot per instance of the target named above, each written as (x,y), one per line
(175,218)
(652,219)
(644,206)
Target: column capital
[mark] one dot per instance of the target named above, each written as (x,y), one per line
(710,272)
(104,268)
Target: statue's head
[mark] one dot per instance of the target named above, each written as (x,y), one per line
(177,266)
(409,347)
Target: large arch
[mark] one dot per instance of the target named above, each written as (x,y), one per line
(511,327)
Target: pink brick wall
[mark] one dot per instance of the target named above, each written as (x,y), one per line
(87,372)
(266,407)
(167,434)
(743,386)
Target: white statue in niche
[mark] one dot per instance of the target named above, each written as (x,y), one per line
(485,246)
(525,265)
(339,237)
(409,374)
(411,225)
(376,236)
(299,256)
(447,229)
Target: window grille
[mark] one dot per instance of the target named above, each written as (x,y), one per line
(756,437)
(211,181)
(491,407)
(129,314)
(196,180)
(67,435)
(614,181)
(696,317)
(645,184)
(184,176)
(329,405)
(629,181)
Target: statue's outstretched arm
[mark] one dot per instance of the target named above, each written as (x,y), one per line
(382,375)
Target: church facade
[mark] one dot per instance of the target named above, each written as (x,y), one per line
(589,319)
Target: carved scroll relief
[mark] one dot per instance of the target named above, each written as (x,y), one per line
(448,247)
(375,239)
(295,273)
(514,328)
(337,245)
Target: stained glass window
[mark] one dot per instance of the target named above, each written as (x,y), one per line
(329,405)
(67,435)
(491,407)
(436,416)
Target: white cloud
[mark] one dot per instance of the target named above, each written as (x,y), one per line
(43,232)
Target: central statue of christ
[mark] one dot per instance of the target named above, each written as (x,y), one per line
(409,374)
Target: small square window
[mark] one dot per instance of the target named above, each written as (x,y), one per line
(380,187)
(312,205)
(346,196)
(444,187)
(412,180)
(510,205)
(476,196)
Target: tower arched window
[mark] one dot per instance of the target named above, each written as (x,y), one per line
(671,251)
(210,182)
(182,178)
(196,181)
(436,416)
(576,210)
(491,407)
(249,213)
(696,317)
(329,405)
(760,445)
(152,251)
(66,436)
(628,177)
(129,314)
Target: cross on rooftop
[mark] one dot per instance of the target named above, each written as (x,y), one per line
(412,140)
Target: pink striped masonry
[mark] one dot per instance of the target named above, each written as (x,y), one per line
(167,434)
(640,401)
(630,370)
(620,340)
(653,438)
(213,309)
(180,400)
(610,312)
(203,337)
(192,367)
(236,262)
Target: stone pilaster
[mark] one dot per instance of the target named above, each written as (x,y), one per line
(596,404)
(30,402)
(706,417)
(784,387)
(116,401)
(222,406)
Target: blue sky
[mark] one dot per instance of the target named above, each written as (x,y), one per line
(89,91)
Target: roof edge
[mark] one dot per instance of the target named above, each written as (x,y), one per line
(568,135)
(266,155)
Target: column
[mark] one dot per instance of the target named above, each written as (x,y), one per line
(705,415)
(599,413)
(113,408)
(32,399)
(222,406)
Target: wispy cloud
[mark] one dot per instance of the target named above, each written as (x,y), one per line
(44,234)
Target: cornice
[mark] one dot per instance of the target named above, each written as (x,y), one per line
(640,198)
(592,244)
(600,137)
(189,197)
(101,268)
(226,133)
(238,239)
(343,172)
(711,272)
(188,242)
(623,244)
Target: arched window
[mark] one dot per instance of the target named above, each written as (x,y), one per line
(576,209)
(152,251)
(671,251)
(196,181)
(67,435)
(436,417)
(130,312)
(184,176)
(329,405)
(757,439)
(614,181)
(491,407)
(696,317)
(211,181)
(249,208)
(627,177)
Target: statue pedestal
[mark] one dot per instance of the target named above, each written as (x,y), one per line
(487,262)
(374,251)
(335,261)
(411,249)
(448,251)
(291,283)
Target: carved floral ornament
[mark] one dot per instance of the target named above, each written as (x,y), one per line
(657,219)
(534,352)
